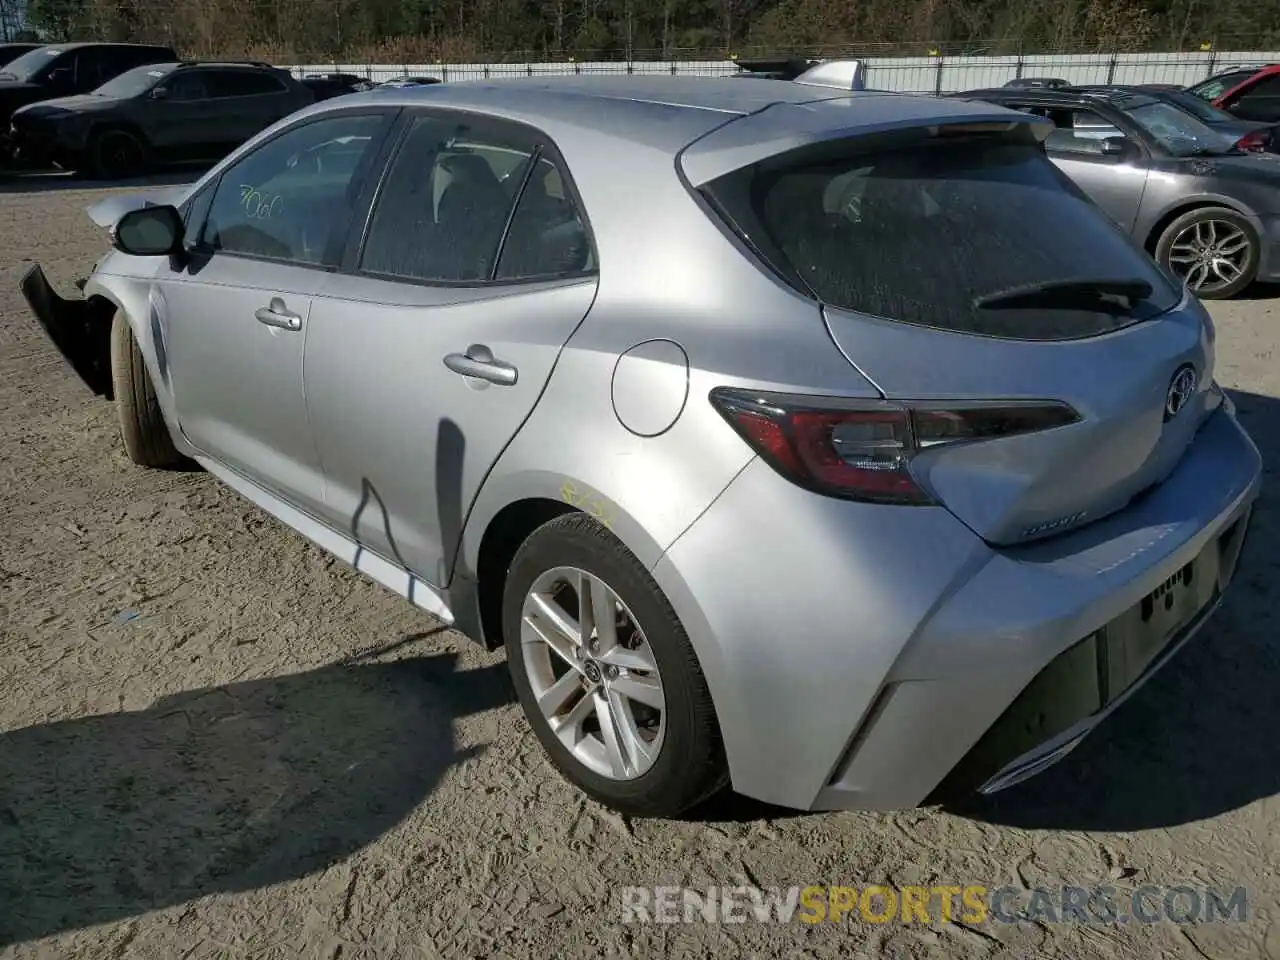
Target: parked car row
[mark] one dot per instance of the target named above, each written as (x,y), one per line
(1186,193)
(117,109)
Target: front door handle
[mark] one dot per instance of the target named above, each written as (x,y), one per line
(278,315)
(479,362)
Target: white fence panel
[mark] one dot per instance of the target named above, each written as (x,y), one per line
(905,74)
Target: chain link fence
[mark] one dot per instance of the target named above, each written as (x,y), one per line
(933,74)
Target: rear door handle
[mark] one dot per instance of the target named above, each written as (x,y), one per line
(479,362)
(278,315)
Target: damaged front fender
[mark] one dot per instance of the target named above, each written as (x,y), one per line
(79,328)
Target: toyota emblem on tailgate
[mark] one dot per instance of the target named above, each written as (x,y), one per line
(1181,389)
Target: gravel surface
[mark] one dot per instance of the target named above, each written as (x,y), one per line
(217,742)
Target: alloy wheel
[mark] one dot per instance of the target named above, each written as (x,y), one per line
(1209,255)
(593,674)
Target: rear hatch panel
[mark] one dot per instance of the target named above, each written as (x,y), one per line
(920,226)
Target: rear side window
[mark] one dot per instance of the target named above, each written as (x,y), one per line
(240,83)
(445,203)
(924,234)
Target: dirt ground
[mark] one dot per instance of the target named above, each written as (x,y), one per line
(217,742)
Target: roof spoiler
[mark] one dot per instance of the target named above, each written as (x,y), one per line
(838,74)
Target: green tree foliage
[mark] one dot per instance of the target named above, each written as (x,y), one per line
(530,30)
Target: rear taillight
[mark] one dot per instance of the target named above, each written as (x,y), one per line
(1254,142)
(862,449)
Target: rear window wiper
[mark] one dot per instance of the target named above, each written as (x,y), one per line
(1068,295)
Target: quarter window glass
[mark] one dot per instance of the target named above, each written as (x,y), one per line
(445,203)
(289,199)
(547,237)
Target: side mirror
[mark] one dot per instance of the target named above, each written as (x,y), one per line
(1115,147)
(159,93)
(60,77)
(148,232)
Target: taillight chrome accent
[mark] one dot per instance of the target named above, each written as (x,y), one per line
(862,449)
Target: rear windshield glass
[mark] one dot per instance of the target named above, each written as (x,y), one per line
(922,234)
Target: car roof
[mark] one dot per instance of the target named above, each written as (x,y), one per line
(666,112)
(104,43)
(1066,96)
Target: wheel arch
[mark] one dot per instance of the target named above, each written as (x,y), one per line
(109,124)
(1187,205)
(499,525)
(132,297)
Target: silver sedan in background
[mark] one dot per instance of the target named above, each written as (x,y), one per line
(826,444)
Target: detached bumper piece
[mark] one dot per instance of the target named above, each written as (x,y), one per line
(1085,683)
(80,329)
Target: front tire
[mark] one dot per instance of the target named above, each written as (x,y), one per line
(1214,250)
(116,154)
(142,427)
(618,701)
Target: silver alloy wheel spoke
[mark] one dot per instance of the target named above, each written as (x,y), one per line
(609,709)
(1209,255)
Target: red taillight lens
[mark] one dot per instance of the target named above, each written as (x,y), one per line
(862,449)
(1254,142)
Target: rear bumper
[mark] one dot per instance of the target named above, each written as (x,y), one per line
(1087,682)
(80,329)
(858,654)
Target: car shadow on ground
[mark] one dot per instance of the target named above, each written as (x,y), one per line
(1198,740)
(46,181)
(224,789)
(1261,291)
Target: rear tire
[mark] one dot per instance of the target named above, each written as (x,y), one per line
(116,154)
(1213,250)
(686,762)
(142,427)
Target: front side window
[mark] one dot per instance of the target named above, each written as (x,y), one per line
(442,210)
(187,86)
(936,232)
(290,198)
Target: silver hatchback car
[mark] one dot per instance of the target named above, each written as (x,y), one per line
(832,445)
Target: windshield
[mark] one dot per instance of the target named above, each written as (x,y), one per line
(132,83)
(1198,108)
(1177,130)
(1217,86)
(25,68)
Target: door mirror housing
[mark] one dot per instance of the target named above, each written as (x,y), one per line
(1115,147)
(149,232)
(159,93)
(60,77)
(1066,142)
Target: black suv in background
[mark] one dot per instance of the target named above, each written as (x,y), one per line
(65,69)
(156,114)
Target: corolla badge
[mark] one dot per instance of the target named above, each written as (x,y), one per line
(1181,389)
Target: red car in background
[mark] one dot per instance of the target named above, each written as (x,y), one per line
(1247,92)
